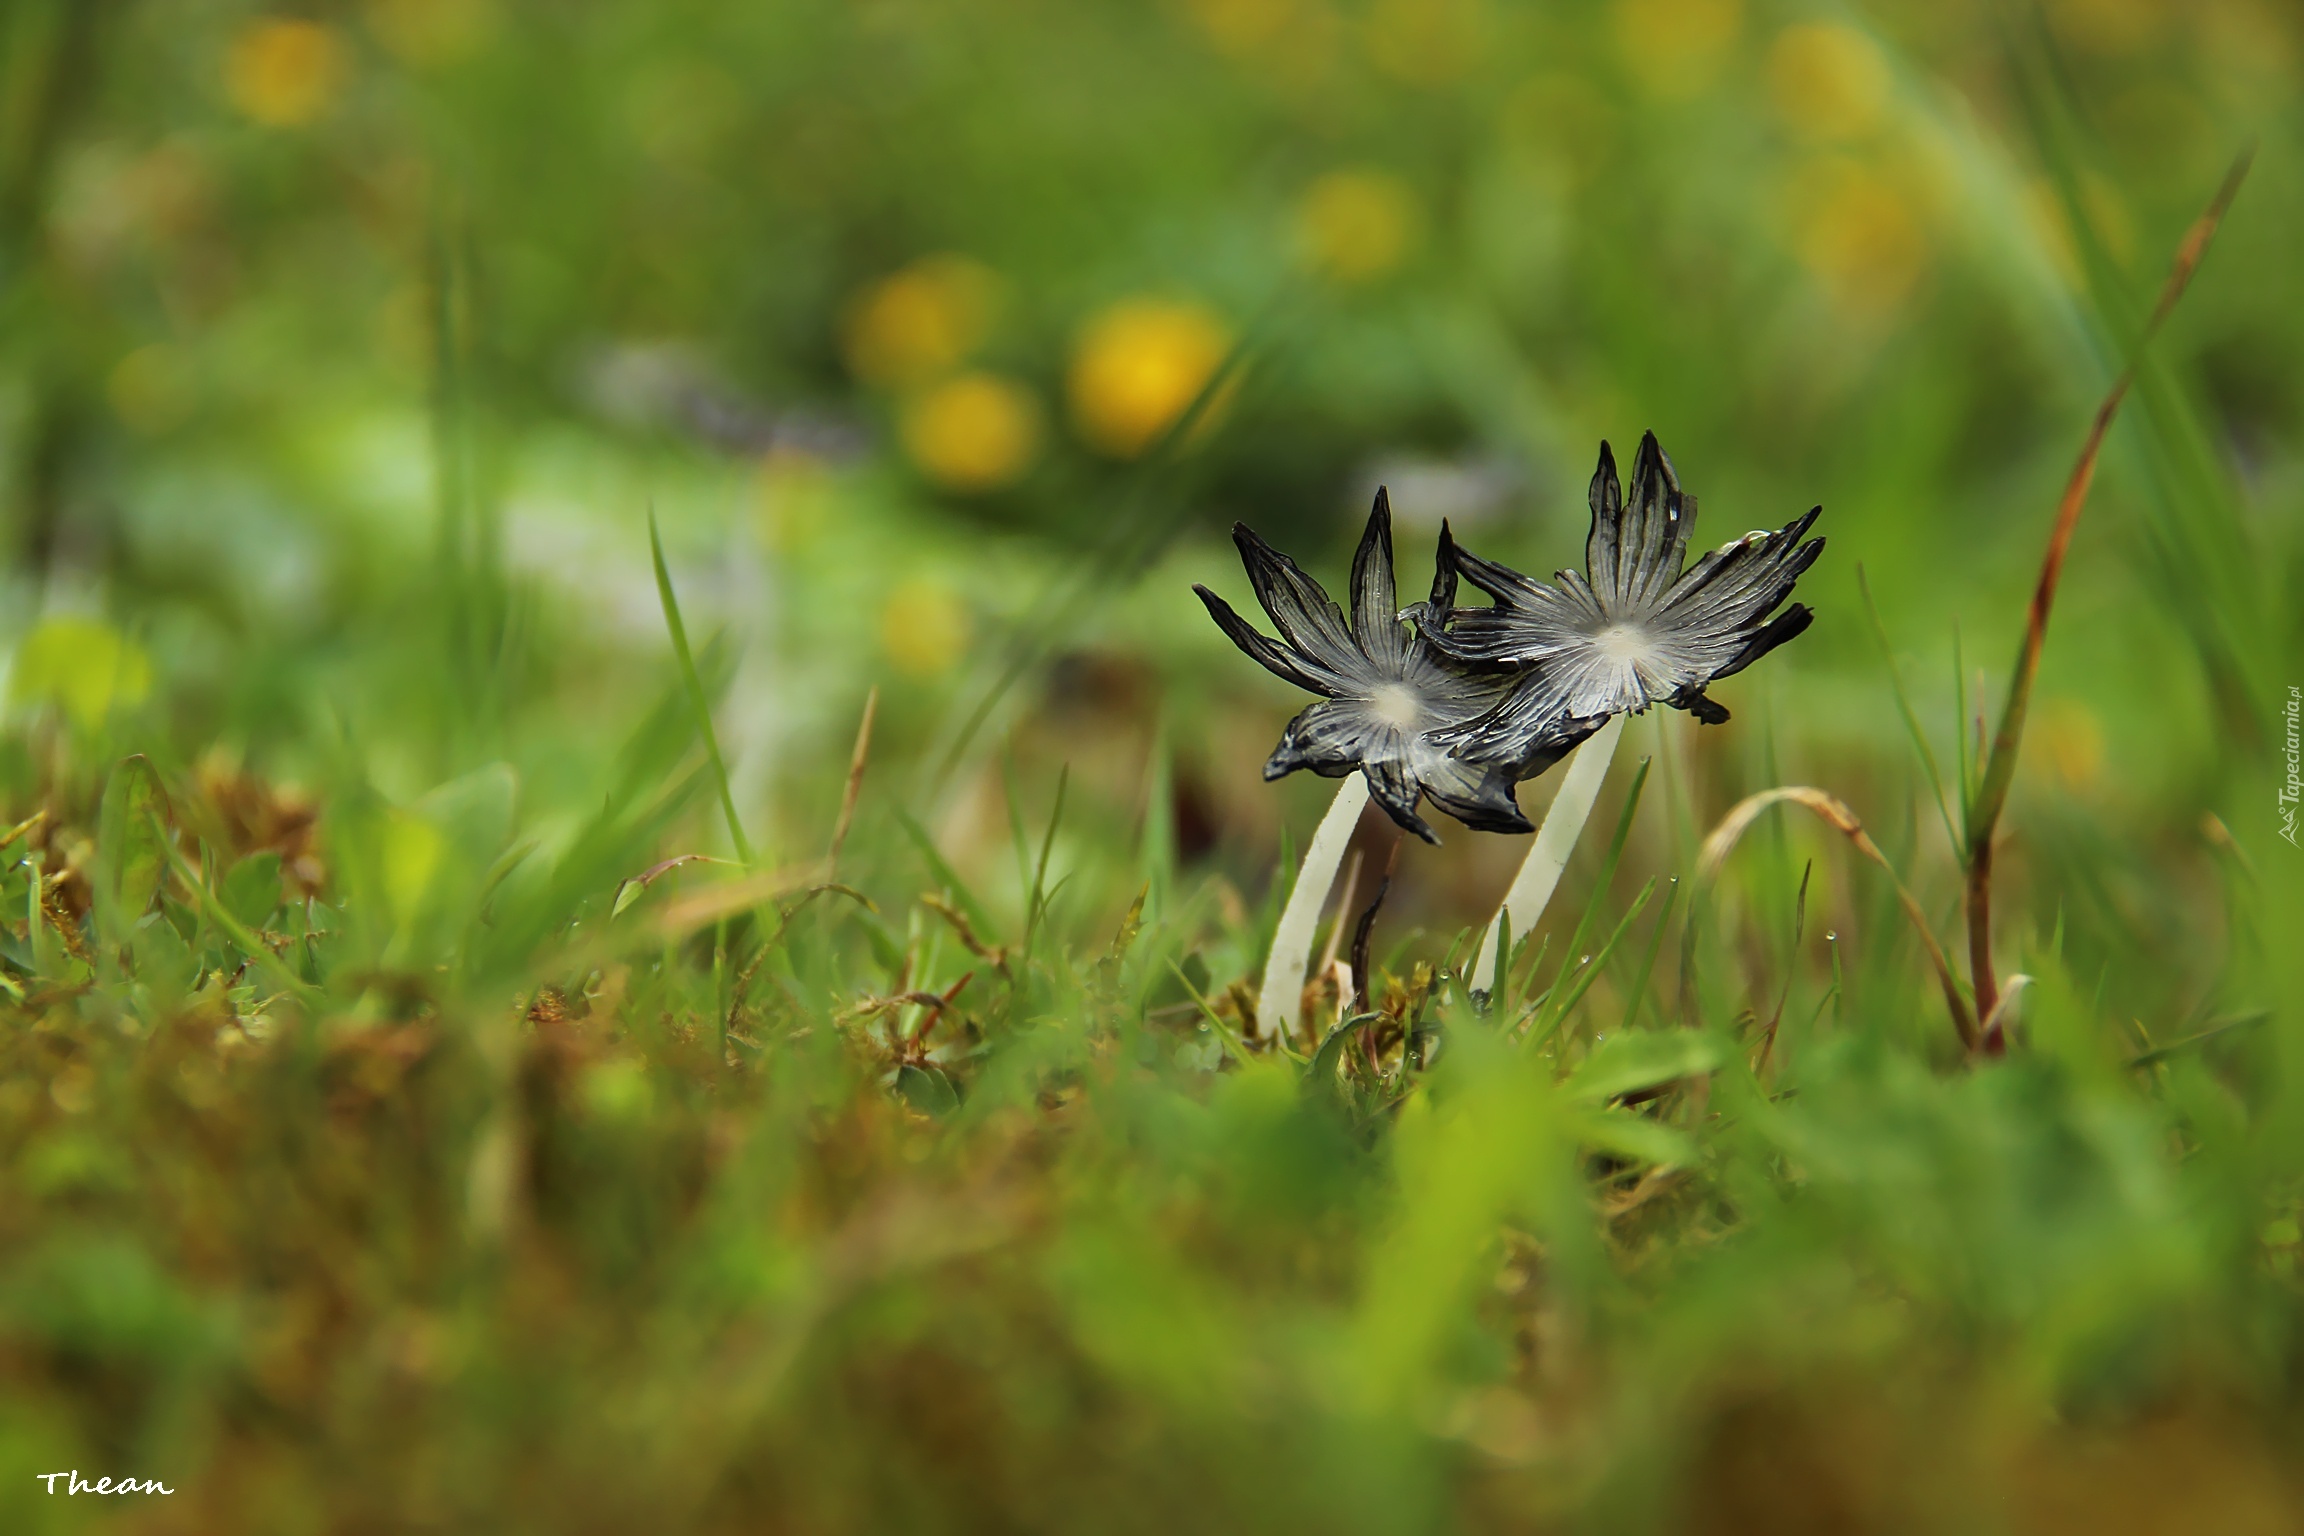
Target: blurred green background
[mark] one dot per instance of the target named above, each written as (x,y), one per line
(335,333)
(347,349)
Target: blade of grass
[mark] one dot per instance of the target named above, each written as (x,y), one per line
(1791,967)
(1966,764)
(2000,766)
(1911,717)
(1639,992)
(1557,1014)
(1156,861)
(1233,1045)
(2221,1027)
(695,685)
(1840,818)
(2201,558)
(855,785)
(232,928)
(1041,895)
(1366,927)
(943,873)
(1599,897)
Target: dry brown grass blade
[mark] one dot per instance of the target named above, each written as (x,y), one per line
(856,762)
(2000,766)
(9,837)
(1836,814)
(732,898)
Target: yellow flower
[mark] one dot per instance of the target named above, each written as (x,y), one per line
(1857,230)
(1243,27)
(285,74)
(1356,226)
(2072,742)
(921,322)
(978,432)
(431,34)
(2110,26)
(923,627)
(1829,81)
(1289,47)
(1424,42)
(1674,48)
(1137,366)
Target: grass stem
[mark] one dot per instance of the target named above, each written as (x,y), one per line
(1999,769)
(695,686)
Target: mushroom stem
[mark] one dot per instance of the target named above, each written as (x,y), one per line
(1548,854)
(1280,997)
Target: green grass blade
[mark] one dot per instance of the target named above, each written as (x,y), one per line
(1911,717)
(1960,735)
(1639,992)
(695,685)
(1591,914)
(940,869)
(1557,1013)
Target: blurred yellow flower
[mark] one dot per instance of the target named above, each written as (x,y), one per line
(1424,42)
(923,627)
(1136,368)
(149,389)
(1829,82)
(1356,226)
(1675,47)
(2109,26)
(1857,231)
(1292,46)
(1241,27)
(84,666)
(922,321)
(431,34)
(285,74)
(2071,742)
(977,432)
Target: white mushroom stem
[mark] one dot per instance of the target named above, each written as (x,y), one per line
(1548,854)
(1281,996)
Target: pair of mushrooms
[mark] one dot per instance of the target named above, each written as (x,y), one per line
(1458,706)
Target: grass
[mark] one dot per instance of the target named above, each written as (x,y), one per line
(480,1185)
